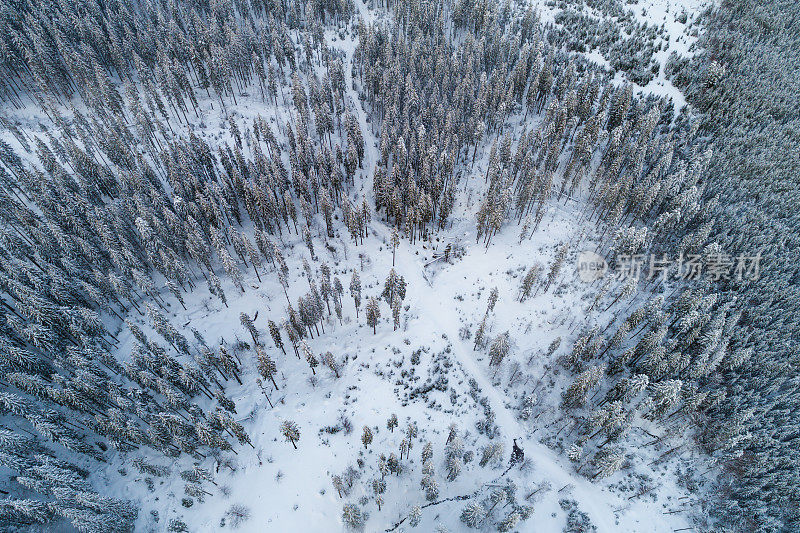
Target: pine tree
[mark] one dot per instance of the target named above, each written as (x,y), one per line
(247,322)
(453,465)
(215,288)
(309,356)
(396,312)
(430,486)
(528,281)
(576,394)
(309,242)
(175,290)
(526,228)
(473,514)
(228,363)
(555,268)
(325,285)
(391,423)
(330,361)
(373,314)
(395,240)
(352,516)
(394,286)
(366,437)
(607,462)
(414,516)
(492,455)
(493,294)
(290,432)
(551,349)
(338,484)
(355,290)
(275,332)
(427,452)
(327,210)
(267,367)
(664,396)
(393,464)
(509,522)
(480,334)
(498,350)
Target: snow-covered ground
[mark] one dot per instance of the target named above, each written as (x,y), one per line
(681,35)
(284,487)
(288,489)
(679,19)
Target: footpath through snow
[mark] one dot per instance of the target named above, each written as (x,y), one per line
(435,302)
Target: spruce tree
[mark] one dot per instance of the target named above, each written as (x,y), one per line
(267,367)
(275,332)
(391,423)
(366,437)
(247,322)
(355,290)
(373,314)
(290,432)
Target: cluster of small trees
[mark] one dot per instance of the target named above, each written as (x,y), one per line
(630,50)
(312,307)
(657,364)
(455,455)
(482,508)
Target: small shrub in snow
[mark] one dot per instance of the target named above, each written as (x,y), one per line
(177,526)
(346,424)
(237,514)
(509,522)
(414,516)
(577,521)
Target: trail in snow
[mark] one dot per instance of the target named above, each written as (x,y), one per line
(434,297)
(443,319)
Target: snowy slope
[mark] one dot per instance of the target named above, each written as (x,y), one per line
(284,487)
(287,489)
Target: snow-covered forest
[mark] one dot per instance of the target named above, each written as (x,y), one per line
(395,265)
